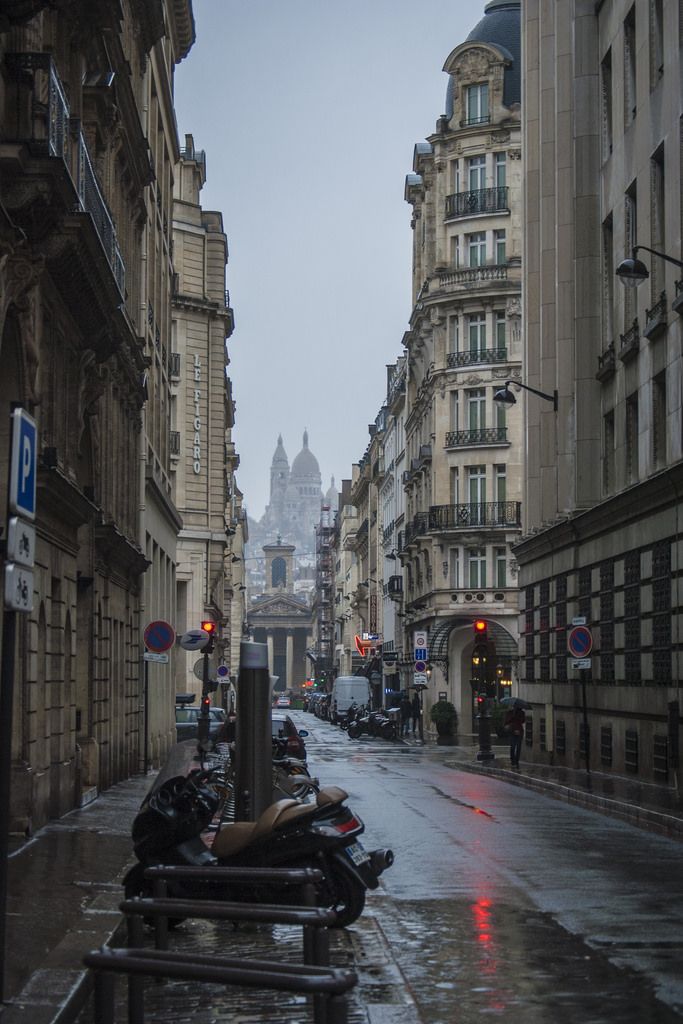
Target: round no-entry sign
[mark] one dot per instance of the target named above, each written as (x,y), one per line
(159,636)
(580,641)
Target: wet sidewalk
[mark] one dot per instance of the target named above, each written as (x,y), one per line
(65,886)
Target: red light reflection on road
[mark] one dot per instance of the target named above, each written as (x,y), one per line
(488,965)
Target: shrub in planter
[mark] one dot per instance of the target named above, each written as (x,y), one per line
(444,716)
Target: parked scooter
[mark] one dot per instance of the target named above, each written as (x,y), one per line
(168,830)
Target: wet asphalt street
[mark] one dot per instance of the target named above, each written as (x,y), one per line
(505,904)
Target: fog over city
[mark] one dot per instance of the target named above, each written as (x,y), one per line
(309,112)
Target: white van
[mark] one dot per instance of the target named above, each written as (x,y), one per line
(345,691)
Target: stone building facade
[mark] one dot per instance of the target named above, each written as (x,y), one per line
(87,147)
(463,450)
(203,454)
(604,475)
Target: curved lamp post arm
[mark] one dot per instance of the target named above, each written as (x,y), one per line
(655,252)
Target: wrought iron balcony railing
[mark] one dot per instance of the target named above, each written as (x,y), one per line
(481,514)
(49,121)
(483,355)
(92,201)
(630,342)
(175,442)
(477,201)
(467,121)
(483,435)
(655,318)
(606,363)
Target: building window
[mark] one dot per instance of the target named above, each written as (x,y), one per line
(455,251)
(632,438)
(607,282)
(455,485)
(656,41)
(659,420)
(453,334)
(476,408)
(501,411)
(455,411)
(477,98)
(657,222)
(476,484)
(630,67)
(500,483)
(500,560)
(477,332)
(606,83)
(476,249)
(476,173)
(500,329)
(500,167)
(630,241)
(476,563)
(499,246)
(608,453)
(455,175)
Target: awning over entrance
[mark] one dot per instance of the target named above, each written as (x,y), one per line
(506,645)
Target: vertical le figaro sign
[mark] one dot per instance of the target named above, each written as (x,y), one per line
(197,421)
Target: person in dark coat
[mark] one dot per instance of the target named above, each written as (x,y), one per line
(405,715)
(514,726)
(416,710)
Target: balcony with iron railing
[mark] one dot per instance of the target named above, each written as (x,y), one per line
(479,436)
(54,133)
(477,201)
(629,342)
(473,357)
(606,363)
(655,318)
(468,122)
(488,515)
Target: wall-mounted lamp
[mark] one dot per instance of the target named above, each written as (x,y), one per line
(506,397)
(633,271)
(241,587)
(392,555)
(235,558)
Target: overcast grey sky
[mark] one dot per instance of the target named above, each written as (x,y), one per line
(308,111)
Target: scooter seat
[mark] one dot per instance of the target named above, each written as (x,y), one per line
(232,838)
(331,795)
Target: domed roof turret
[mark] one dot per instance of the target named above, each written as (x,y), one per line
(280,453)
(305,465)
(501,27)
(332,496)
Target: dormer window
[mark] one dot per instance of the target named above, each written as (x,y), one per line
(477,104)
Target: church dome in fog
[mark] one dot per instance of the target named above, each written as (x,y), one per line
(305,467)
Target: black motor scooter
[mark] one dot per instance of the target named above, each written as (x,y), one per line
(168,830)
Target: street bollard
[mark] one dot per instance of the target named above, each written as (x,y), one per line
(253,742)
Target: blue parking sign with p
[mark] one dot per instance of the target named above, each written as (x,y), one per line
(22,488)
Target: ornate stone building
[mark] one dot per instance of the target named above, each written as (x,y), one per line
(293,510)
(282,620)
(202,451)
(87,148)
(605,472)
(463,452)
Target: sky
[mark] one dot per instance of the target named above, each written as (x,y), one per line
(309,111)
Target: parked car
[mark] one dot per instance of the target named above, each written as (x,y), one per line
(284,728)
(187,721)
(283,701)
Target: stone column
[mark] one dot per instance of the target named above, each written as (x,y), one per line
(271,652)
(290,657)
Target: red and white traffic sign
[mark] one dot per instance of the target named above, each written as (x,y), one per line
(580,641)
(159,636)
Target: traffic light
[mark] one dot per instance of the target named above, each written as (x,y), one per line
(206,704)
(209,626)
(480,651)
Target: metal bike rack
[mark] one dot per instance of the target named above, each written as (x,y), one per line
(329,986)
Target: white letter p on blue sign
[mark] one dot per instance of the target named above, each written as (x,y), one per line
(22,492)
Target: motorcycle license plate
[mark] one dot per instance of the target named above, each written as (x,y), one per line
(357,853)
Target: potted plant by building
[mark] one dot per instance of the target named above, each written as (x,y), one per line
(445,718)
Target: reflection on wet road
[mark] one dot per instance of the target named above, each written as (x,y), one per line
(507,904)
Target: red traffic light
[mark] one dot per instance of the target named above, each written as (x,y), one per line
(480,626)
(209,626)
(206,702)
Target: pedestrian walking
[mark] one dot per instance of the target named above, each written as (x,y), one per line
(416,711)
(406,712)
(514,726)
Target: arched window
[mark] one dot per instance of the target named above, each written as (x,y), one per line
(279,572)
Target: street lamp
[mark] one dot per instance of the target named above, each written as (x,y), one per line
(506,397)
(633,271)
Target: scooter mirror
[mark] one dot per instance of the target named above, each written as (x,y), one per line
(303,732)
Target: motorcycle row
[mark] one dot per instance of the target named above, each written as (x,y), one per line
(189,820)
(359,720)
